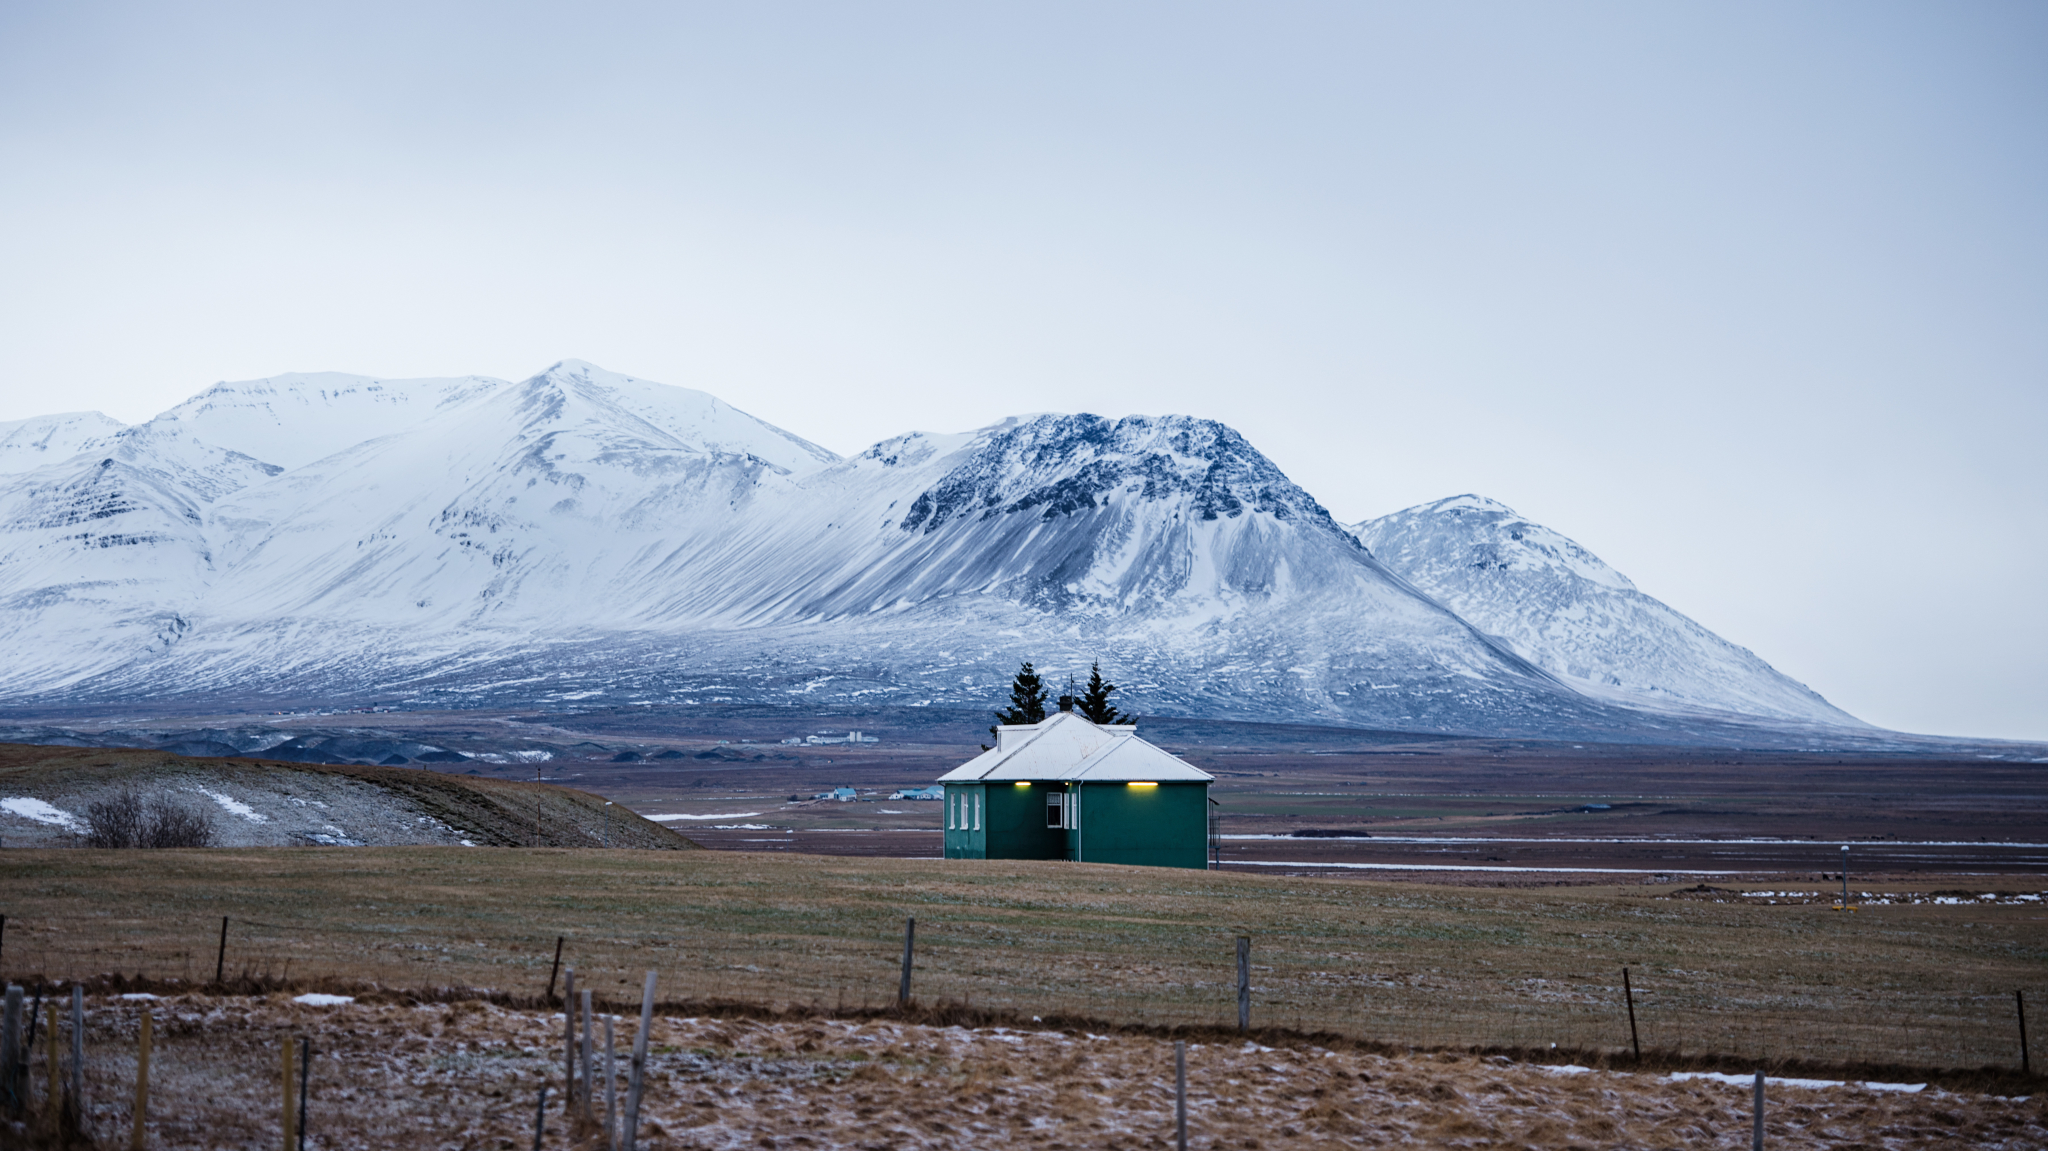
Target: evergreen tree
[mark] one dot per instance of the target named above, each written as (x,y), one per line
(1027,698)
(1094,703)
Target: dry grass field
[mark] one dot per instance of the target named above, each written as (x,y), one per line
(1905,988)
(389,1074)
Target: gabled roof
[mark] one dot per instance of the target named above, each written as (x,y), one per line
(1067,748)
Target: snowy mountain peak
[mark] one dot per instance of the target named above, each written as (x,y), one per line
(1559,606)
(39,441)
(692,418)
(1056,465)
(1492,537)
(293,419)
(1466,503)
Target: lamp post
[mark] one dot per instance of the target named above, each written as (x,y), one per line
(607,823)
(1845,877)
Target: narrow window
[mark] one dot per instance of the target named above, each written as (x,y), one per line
(1055,810)
(977,813)
(951,800)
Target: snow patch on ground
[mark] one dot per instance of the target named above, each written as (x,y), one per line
(1776,1081)
(41,812)
(317,999)
(234,806)
(721,815)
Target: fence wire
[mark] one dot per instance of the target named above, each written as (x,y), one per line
(1162,975)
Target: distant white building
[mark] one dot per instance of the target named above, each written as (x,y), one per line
(849,737)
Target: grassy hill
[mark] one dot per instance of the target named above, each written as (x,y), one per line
(45,791)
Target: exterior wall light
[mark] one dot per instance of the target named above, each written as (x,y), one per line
(1141,785)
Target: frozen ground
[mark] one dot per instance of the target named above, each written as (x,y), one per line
(466,1075)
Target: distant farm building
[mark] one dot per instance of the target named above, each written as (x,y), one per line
(1068,789)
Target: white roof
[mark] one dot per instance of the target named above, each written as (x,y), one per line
(1067,748)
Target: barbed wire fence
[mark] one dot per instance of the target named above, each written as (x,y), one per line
(1172,976)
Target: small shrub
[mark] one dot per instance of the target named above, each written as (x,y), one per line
(115,821)
(172,824)
(125,819)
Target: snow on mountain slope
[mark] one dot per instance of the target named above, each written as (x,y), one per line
(103,557)
(294,419)
(508,509)
(1166,545)
(505,531)
(40,441)
(1560,607)
(584,534)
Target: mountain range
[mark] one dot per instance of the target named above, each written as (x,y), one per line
(585,535)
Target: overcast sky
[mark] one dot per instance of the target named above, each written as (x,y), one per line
(1750,299)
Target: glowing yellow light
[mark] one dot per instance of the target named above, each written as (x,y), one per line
(1142,785)
(1021,784)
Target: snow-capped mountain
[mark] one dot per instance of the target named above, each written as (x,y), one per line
(40,441)
(584,534)
(1558,606)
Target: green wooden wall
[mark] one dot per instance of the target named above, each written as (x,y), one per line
(1162,826)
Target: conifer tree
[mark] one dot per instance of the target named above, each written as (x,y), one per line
(1027,698)
(1094,703)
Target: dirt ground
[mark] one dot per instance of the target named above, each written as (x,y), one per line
(466,1075)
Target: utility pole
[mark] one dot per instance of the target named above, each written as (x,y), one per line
(536,805)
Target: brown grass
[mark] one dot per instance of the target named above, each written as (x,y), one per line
(1923,986)
(466,1075)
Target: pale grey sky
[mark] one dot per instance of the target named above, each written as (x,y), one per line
(1749,298)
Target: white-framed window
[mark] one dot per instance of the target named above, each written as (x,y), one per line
(952,801)
(1055,809)
(977,813)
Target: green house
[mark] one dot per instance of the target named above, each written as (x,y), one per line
(1070,789)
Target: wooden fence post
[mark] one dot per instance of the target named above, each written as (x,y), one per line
(631,1135)
(13,1059)
(1244,982)
(589,1077)
(290,1120)
(305,1077)
(141,1081)
(611,1087)
(1756,1127)
(1180,1095)
(555,970)
(2019,1000)
(569,1043)
(220,961)
(53,1076)
(74,1101)
(540,1117)
(1628,993)
(909,942)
